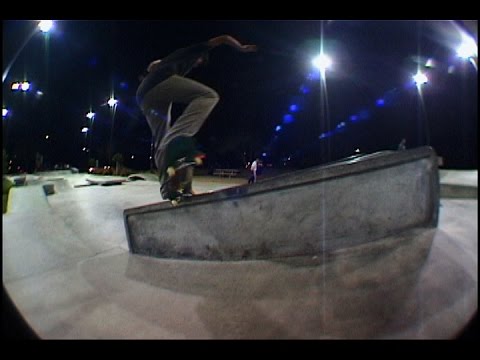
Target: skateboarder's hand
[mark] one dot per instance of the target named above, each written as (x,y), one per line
(231,41)
(248,48)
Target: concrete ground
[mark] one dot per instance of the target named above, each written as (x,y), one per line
(68,270)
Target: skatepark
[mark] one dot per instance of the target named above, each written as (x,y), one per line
(69,268)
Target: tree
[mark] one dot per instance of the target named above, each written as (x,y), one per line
(5,161)
(92,162)
(118,159)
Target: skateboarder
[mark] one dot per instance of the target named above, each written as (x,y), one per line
(165,84)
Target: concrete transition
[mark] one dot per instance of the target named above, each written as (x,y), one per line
(325,208)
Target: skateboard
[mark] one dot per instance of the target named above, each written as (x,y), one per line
(181,157)
(108,182)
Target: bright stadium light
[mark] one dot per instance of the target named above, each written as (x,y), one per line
(25,86)
(112,102)
(420,79)
(468,49)
(44,26)
(322,62)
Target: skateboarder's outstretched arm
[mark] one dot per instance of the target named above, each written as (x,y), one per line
(231,41)
(197,52)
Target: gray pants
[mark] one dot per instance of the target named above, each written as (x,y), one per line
(157,106)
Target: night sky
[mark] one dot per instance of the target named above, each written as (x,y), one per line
(368,101)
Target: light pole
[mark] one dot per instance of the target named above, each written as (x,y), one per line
(43,26)
(322,62)
(420,80)
(5,113)
(85,149)
(112,102)
(90,116)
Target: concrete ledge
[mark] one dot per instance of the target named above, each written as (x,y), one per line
(20,180)
(301,213)
(451,191)
(49,189)
(29,199)
(458,184)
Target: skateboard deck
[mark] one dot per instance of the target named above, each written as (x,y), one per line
(107,182)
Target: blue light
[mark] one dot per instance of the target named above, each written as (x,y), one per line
(264,154)
(390,96)
(278,128)
(380,102)
(92,62)
(325,135)
(364,114)
(304,89)
(287,119)
(340,127)
(314,75)
(410,84)
(293,107)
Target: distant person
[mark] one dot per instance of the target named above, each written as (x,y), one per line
(402,145)
(165,84)
(254,171)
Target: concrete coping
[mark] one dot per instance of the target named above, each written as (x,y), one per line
(341,168)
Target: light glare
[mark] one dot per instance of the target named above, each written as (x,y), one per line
(322,62)
(468,49)
(25,86)
(112,102)
(420,78)
(45,25)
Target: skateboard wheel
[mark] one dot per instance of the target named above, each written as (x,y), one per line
(174,202)
(171,171)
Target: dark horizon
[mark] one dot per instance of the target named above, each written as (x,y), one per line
(368,102)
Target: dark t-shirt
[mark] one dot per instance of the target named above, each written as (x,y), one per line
(179,62)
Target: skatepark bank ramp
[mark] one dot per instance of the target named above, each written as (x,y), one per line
(305,212)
